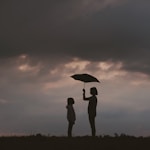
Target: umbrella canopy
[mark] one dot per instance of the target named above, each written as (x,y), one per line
(85,78)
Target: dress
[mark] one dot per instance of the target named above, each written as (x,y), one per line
(92,106)
(71,117)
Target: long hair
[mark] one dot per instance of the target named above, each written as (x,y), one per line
(70,101)
(94,91)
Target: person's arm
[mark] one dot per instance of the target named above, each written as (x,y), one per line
(84,97)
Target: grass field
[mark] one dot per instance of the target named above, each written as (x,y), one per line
(38,141)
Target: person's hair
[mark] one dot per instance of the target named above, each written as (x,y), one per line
(70,101)
(94,91)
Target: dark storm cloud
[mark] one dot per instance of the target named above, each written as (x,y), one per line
(68,28)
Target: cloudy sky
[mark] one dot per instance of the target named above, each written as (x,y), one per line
(43,43)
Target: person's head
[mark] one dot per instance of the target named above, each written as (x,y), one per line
(70,101)
(93,91)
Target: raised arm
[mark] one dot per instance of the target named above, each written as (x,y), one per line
(84,97)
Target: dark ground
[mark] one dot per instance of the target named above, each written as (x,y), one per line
(122,142)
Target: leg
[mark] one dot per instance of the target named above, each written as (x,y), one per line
(70,125)
(92,124)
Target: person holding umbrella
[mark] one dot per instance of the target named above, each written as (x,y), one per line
(91,108)
(86,78)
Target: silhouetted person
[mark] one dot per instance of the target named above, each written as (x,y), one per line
(71,116)
(91,107)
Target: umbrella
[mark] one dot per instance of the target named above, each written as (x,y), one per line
(85,78)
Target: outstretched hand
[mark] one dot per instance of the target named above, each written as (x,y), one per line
(83,90)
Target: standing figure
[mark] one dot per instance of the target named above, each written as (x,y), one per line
(71,116)
(91,107)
